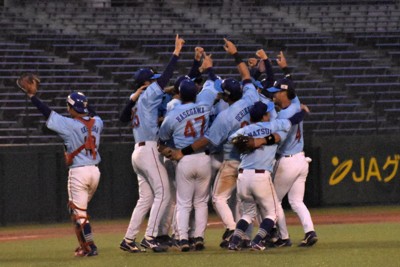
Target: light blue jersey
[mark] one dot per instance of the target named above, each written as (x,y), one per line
(262,158)
(172,104)
(145,114)
(230,120)
(294,142)
(74,133)
(272,114)
(186,123)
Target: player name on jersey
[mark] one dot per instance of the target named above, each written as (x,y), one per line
(242,113)
(190,112)
(260,132)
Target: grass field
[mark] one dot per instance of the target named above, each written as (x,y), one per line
(353,244)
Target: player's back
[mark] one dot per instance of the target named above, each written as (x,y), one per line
(74,134)
(186,123)
(145,114)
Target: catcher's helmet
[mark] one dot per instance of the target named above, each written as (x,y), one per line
(231,87)
(78,102)
(187,90)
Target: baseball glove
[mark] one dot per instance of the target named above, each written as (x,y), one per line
(240,142)
(28,83)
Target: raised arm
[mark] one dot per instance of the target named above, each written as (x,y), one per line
(29,83)
(232,50)
(194,71)
(267,68)
(169,70)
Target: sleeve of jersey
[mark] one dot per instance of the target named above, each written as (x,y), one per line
(99,122)
(296,101)
(250,92)
(152,97)
(58,123)
(238,132)
(165,132)
(208,94)
(218,133)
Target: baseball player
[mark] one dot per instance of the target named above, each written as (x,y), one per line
(254,184)
(81,136)
(154,191)
(169,218)
(185,124)
(225,124)
(291,168)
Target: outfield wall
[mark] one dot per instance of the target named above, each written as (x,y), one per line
(344,171)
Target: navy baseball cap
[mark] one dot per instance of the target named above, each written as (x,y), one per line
(259,108)
(144,75)
(282,84)
(187,90)
(232,88)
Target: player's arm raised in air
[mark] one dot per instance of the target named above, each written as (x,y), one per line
(169,70)
(198,54)
(267,68)
(29,83)
(232,50)
(282,63)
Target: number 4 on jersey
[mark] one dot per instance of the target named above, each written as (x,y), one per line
(190,130)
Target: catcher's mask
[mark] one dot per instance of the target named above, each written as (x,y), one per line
(78,102)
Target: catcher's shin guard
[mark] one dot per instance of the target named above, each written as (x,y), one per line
(82,228)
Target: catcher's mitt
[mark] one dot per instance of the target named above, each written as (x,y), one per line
(28,83)
(240,142)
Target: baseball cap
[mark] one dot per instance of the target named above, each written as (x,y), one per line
(231,87)
(145,74)
(256,83)
(258,110)
(78,102)
(178,82)
(187,90)
(282,84)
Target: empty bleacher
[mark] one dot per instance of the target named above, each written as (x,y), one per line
(344,56)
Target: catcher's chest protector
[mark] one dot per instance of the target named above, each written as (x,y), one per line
(90,143)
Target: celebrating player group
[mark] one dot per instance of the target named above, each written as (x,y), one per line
(237,142)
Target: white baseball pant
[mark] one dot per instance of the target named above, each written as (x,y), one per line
(82,184)
(290,176)
(154,189)
(193,175)
(256,190)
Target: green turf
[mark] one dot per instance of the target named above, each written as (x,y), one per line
(339,245)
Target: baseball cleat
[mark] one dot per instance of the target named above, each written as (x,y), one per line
(150,242)
(234,247)
(80,252)
(257,246)
(309,240)
(245,243)
(198,243)
(184,244)
(164,240)
(226,238)
(130,246)
(282,243)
